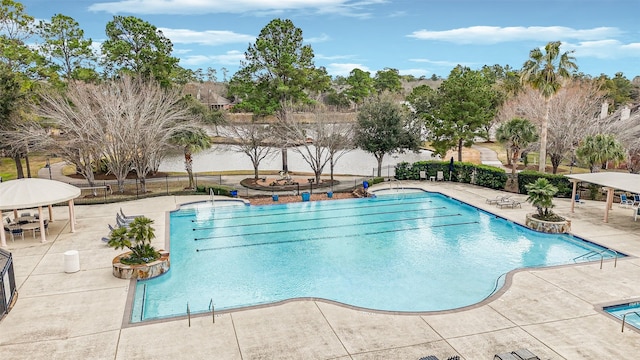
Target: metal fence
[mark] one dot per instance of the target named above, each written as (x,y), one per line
(7,282)
(109,191)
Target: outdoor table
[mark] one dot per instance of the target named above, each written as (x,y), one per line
(31,226)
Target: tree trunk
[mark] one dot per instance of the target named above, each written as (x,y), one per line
(555,162)
(514,164)
(379,158)
(19,170)
(543,137)
(26,162)
(460,149)
(188,165)
(285,164)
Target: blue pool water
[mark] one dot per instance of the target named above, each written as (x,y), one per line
(632,310)
(414,252)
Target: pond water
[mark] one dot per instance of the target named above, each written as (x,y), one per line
(222,157)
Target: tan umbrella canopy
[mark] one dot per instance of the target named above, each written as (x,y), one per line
(33,192)
(609,180)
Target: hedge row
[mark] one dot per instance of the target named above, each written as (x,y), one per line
(481,175)
(560,181)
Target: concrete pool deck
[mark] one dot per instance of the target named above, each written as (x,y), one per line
(554,312)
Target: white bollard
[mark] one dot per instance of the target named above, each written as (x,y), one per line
(71,261)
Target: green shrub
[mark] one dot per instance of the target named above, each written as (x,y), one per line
(560,181)
(482,175)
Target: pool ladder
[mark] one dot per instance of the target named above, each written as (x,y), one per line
(211,307)
(600,253)
(624,317)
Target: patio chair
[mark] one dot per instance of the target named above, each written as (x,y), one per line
(624,202)
(46,227)
(577,200)
(440,176)
(25,214)
(16,232)
(636,200)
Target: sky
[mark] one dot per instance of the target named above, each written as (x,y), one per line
(416,37)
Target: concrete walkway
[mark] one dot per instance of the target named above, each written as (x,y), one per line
(554,312)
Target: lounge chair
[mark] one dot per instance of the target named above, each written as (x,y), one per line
(122,221)
(624,202)
(510,203)
(128,216)
(498,199)
(440,176)
(430,357)
(522,354)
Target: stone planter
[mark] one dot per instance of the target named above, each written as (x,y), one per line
(551,227)
(141,271)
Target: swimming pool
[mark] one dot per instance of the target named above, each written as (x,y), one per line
(629,313)
(411,252)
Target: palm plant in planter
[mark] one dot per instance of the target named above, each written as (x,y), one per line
(136,236)
(541,194)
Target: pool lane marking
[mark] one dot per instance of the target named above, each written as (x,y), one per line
(331,237)
(309,211)
(331,227)
(311,219)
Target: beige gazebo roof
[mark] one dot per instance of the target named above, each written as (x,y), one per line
(616,180)
(34,192)
(609,180)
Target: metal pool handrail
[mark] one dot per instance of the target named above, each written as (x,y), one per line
(624,317)
(594,253)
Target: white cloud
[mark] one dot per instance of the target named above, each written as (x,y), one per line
(448,64)
(604,49)
(343,69)
(229,58)
(208,37)
(495,34)
(333,57)
(318,39)
(415,72)
(345,7)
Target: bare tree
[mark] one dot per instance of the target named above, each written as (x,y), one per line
(251,139)
(573,114)
(319,141)
(126,122)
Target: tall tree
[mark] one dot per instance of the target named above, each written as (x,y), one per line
(516,134)
(546,71)
(465,103)
(64,44)
(383,127)
(135,46)
(360,86)
(277,73)
(387,80)
(597,150)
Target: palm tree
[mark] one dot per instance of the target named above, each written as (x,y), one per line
(516,134)
(541,195)
(597,150)
(545,71)
(191,140)
(137,237)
